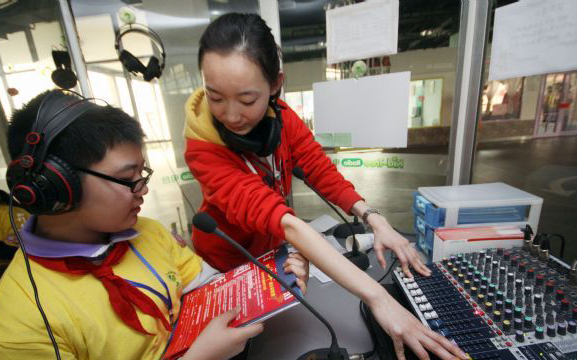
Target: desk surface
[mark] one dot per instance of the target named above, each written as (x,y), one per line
(296,331)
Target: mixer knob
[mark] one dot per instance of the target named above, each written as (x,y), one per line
(518,284)
(481,298)
(562,329)
(519,302)
(445,261)
(519,336)
(508,304)
(461,278)
(491,296)
(528,322)
(522,267)
(474,290)
(466,284)
(499,305)
(539,333)
(540,321)
(497,316)
(506,256)
(476,282)
(499,295)
(572,327)
(551,331)
(538,299)
(454,271)
(549,286)
(514,261)
(484,281)
(539,280)
(469,276)
(518,313)
(518,324)
(508,314)
(531,274)
(500,251)
(483,289)
(488,307)
(565,305)
(507,326)
(527,291)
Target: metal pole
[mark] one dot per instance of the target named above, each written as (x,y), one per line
(475,16)
(74,48)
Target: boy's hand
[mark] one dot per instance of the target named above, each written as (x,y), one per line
(218,341)
(298,265)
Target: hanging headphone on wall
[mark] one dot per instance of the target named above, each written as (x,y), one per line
(262,140)
(130,62)
(41,182)
(63,76)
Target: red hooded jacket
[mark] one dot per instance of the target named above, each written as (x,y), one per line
(243,205)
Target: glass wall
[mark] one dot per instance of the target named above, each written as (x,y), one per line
(427,47)
(159,104)
(526,138)
(29,32)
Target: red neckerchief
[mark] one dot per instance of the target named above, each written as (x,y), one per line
(123,296)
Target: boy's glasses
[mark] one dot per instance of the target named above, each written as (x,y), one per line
(135,186)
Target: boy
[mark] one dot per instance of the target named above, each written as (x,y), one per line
(109,282)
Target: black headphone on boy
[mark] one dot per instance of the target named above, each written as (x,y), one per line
(262,140)
(41,182)
(130,62)
(63,76)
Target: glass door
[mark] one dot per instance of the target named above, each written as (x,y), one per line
(556,115)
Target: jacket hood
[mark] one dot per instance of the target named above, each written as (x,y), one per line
(198,122)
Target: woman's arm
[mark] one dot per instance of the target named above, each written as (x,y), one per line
(403,327)
(387,238)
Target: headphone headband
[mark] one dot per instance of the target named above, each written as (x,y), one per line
(55,113)
(141,29)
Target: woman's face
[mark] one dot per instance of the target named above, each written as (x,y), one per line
(236,89)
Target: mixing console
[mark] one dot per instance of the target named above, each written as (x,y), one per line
(499,304)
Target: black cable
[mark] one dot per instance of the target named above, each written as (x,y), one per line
(29,270)
(388,271)
(404,233)
(365,318)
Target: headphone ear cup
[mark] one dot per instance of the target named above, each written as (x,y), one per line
(152,69)
(55,189)
(273,139)
(131,63)
(64,78)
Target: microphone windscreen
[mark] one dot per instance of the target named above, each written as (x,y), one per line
(299,173)
(204,222)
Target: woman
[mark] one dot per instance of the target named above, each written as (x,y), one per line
(242,144)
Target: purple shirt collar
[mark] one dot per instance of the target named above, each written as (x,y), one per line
(43,247)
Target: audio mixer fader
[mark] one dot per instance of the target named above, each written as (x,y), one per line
(499,304)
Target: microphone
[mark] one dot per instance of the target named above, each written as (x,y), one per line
(204,222)
(355,256)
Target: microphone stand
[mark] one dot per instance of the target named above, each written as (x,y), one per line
(205,223)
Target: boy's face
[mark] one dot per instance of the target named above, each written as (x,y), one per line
(105,205)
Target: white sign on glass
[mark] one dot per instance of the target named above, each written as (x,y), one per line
(534,37)
(367,112)
(363,30)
